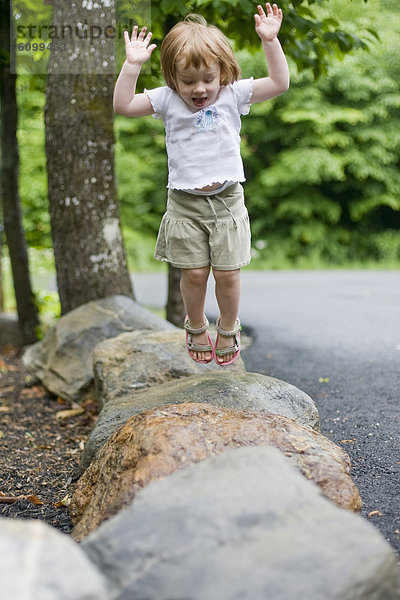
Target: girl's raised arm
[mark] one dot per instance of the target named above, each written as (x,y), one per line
(267,27)
(138,51)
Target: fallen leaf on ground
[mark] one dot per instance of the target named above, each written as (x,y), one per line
(5,390)
(66,501)
(12,499)
(11,367)
(72,412)
(37,391)
(34,499)
(375,513)
(9,350)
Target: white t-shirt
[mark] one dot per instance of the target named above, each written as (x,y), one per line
(203,146)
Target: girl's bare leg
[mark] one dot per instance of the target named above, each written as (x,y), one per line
(228,287)
(193,290)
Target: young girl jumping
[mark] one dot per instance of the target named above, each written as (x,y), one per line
(206,222)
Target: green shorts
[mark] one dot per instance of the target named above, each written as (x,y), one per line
(197,231)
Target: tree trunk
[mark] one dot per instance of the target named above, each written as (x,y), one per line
(15,235)
(88,246)
(175,306)
(1,271)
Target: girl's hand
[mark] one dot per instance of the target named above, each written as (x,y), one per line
(268,25)
(137,48)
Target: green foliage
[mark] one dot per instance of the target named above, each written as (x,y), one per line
(43,278)
(49,307)
(324,162)
(28,17)
(33,177)
(141,167)
(310,37)
(140,251)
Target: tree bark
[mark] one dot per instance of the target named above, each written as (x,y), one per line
(15,235)
(175,306)
(88,246)
(1,267)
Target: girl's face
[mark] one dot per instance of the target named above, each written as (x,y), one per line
(198,87)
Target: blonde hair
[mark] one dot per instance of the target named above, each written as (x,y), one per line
(197,43)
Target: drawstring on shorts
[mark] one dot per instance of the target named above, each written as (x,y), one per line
(211,205)
(205,229)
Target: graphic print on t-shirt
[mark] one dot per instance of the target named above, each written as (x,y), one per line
(207,119)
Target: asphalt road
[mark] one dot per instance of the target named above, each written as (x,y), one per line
(336,336)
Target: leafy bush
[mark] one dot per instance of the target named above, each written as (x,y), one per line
(322,161)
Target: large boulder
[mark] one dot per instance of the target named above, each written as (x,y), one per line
(140,359)
(40,563)
(239,391)
(241,525)
(156,443)
(62,361)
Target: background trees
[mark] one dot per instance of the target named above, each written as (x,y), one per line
(9,184)
(325,176)
(87,240)
(322,161)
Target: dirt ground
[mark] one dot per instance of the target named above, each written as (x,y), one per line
(41,441)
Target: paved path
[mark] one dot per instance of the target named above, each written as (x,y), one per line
(335,335)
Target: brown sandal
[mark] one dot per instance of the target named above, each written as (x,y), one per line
(235,349)
(191,347)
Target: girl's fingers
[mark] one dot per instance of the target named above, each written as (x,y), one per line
(142,37)
(273,10)
(134,33)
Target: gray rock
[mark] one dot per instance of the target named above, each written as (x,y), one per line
(155,443)
(10,332)
(243,525)
(39,563)
(62,361)
(140,359)
(251,391)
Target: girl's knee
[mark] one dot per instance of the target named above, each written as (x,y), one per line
(227,277)
(196,276)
